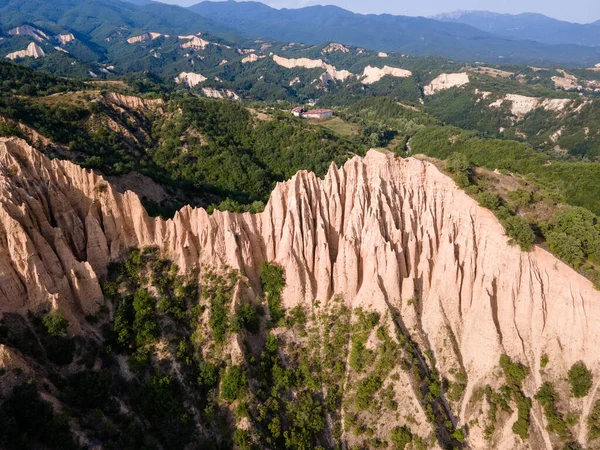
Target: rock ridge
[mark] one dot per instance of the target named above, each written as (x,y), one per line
(381,232)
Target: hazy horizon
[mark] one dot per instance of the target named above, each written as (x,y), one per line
(581,11)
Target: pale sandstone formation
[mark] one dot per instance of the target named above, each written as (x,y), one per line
(382,55)
(252,57)
(148,36)
(28,30)
(566,81)
(446,81)
(190,78)
(133,102)
(220,93)
(65,38)
(196,43)
(331,73)
(32,51)
(382,233)
(298,62)
(335,47)
(60,49)
(374,74)
(520,105)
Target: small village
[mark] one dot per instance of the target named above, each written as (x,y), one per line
(304,113)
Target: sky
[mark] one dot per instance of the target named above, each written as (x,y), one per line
(582,11)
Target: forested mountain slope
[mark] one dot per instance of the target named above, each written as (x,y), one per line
(412,35)
(528,26)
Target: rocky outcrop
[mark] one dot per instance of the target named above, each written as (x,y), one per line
(386,234)
(28,30)
(132,102)
(148,36)
(372,75)
(190,78)
(446,81)
(220,93)
(32,51)
(331,72)
(520,105)
(65,38)
(252,57)
(335,47)
(566,81)
(196,43)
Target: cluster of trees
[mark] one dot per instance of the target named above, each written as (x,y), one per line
(217,147)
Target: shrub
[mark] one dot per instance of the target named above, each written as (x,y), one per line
(581,380)
(489,200)
(272,343)
(145,325)
(365,391)
(458,164)
(55,324)
(593,422)
(401,437)
(246,318)
(521,197)
(459,435)
(514,373)
(233,383)
(547,396)
(242,439)
(567,248)
(273,282)
(519,231)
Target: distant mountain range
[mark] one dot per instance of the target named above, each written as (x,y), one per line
(413,35)
(530,26)
(99,27)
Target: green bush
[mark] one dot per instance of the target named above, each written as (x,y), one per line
(273,282)
(233,383)
(547,396)
(145,324)
(519,231)
(593,422)
(459,435)
(489,200)
(567,248)
(401,437)
(514,373)
(459,165)
(55,323)
(581,380)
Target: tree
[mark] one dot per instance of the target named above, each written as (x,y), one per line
(459,165)
(401,437)
(489,200)
(519,232)
(55,323)
(233,383)
(581,380)
(567,248)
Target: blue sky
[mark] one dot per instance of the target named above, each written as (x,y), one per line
(582,11)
